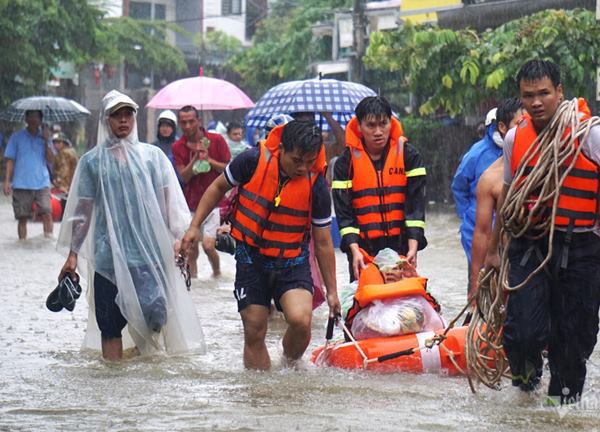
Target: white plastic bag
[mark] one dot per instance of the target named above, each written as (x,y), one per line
(346,296)
(396,317)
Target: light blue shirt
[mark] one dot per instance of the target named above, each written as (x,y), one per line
(129,184)
(29,155)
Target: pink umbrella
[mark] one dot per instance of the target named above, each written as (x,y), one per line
(202,92)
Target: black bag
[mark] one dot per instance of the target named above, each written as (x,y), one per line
(225,243)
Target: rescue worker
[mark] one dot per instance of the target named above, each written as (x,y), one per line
(558,308)
(283,202)
(378,187)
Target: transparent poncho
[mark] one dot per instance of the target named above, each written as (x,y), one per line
(124,213)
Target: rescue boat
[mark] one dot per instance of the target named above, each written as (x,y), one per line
(419,343)
(404,353)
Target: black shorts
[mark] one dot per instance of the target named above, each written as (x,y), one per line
(111,321)
(108,315)
(256,285)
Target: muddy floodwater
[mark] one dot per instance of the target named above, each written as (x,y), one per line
(48,384)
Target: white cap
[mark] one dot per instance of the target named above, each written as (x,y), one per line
(167,115)
(115,100)
(491,116)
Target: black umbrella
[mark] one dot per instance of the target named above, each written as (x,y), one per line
(56,109)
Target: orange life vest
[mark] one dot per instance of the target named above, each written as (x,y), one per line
(274,218)
(578,200)
(378,198)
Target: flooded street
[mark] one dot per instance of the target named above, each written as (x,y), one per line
(48,384)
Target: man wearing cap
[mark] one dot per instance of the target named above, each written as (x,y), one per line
(28,153)
(124,214)
(200,156)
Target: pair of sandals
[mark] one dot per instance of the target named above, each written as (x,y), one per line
(65,294)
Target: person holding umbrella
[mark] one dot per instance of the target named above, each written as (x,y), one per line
(28,153)
(378,187)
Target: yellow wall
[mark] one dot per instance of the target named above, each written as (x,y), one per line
(408,5)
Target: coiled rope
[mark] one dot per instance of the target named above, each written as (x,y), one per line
(486,362)
(523,216)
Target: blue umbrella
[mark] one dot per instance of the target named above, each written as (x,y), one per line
(313,95)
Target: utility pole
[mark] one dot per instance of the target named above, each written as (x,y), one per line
(359,32)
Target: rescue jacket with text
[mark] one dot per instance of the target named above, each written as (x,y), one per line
(378,197)
(578,198)
(272,215)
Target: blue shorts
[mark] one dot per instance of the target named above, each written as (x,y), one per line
(257,285)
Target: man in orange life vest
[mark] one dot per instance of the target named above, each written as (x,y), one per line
(378,187)
(558,308)
(283,199)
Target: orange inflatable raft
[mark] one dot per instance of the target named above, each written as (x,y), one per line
(405,353)
(412,350)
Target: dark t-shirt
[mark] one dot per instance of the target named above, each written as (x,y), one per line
(195,188)
(240,170)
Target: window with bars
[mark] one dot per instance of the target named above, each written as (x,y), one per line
(147,11)
(231,7)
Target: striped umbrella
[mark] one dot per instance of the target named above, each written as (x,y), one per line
(56,109)
(313,95)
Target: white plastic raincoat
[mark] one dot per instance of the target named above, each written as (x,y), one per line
(123,216)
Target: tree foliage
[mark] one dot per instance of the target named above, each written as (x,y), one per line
(142,44)
(283,45)
(216,47)
(456,70)
(38,34)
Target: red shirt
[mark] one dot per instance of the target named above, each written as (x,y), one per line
(195,188)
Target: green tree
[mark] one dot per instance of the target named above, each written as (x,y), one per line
(455,70)
(37,34)
(217,46)
(284,46)
(142,44)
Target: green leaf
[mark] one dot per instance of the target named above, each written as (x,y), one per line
(494,79)
(447,81)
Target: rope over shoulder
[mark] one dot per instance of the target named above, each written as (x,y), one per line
(522,216)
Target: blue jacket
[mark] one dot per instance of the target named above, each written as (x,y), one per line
(475,161)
